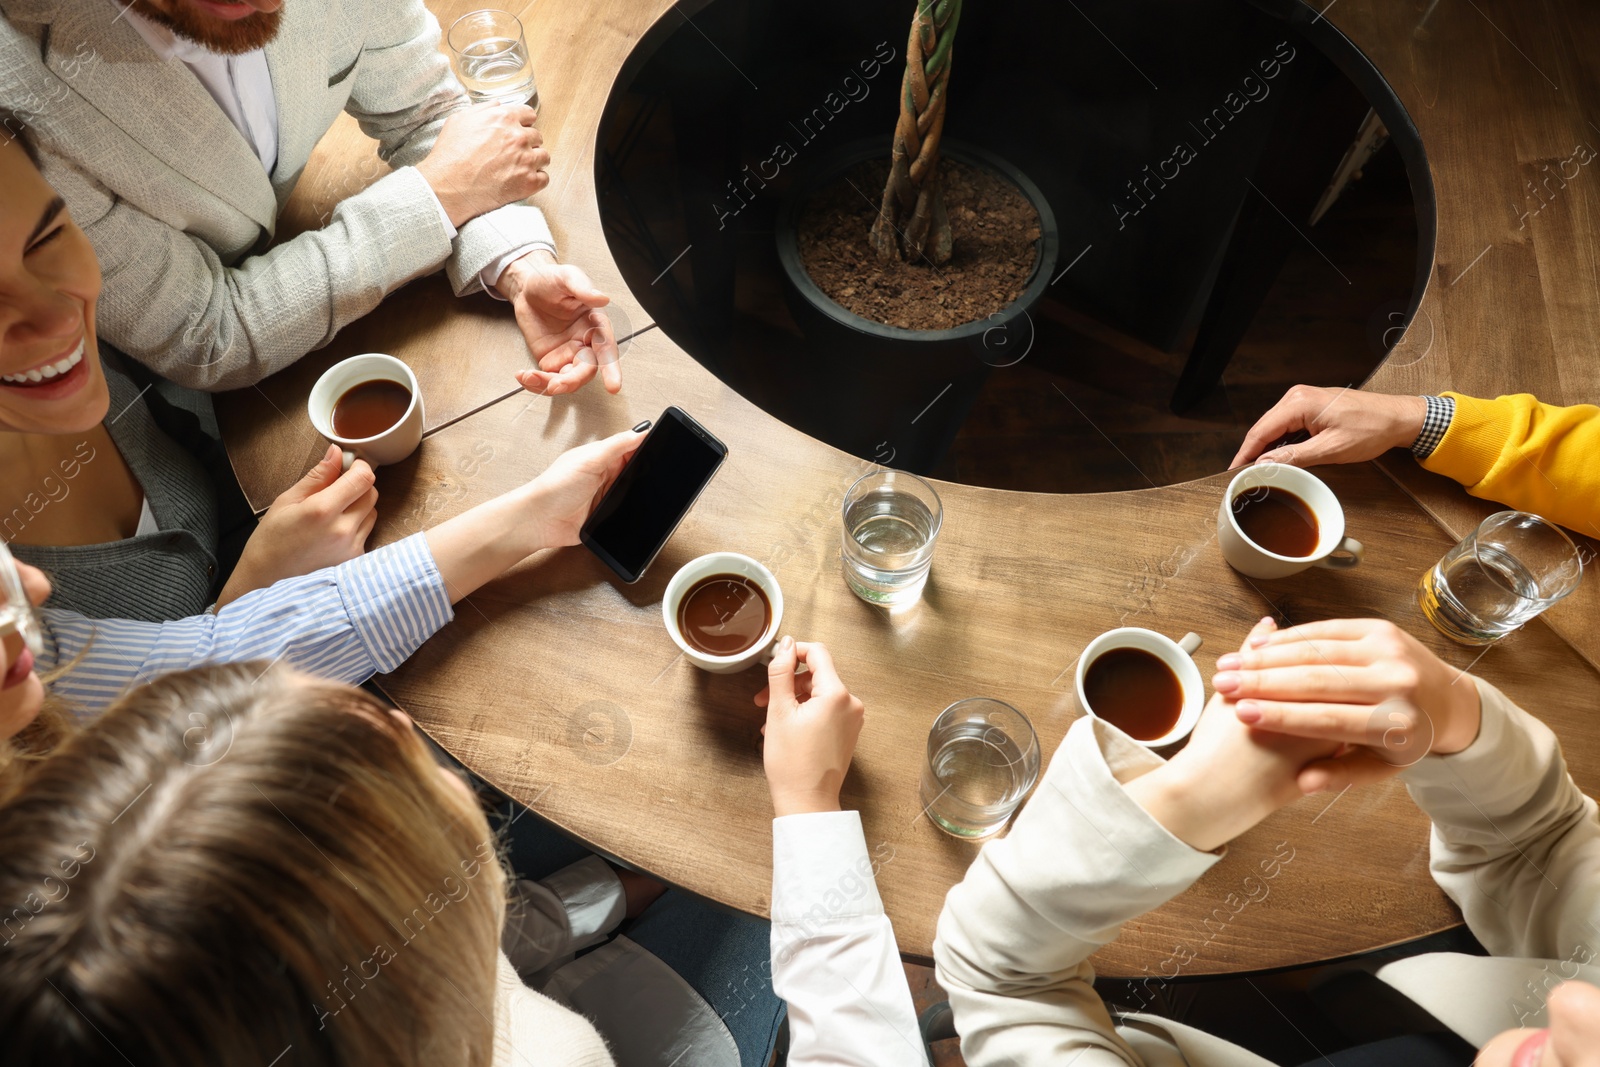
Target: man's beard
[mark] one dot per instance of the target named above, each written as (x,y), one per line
(226,38)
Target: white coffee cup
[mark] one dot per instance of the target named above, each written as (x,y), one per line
(724,563)
(1249,558)
(392,445)
(1179,658)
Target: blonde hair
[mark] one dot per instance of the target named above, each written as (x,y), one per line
(229,863)
(50,727)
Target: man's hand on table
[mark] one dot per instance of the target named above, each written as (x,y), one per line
(1346,426)
(1363,683)
(813,722)
(558,310)
(486,157)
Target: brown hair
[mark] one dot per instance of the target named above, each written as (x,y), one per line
(229,863)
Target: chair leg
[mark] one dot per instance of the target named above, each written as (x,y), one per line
(937,1023)
(1306,146)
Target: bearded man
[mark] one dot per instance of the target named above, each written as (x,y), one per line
(177,129)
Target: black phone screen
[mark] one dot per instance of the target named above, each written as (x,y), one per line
(653,494)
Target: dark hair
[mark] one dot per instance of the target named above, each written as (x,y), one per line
(11,127)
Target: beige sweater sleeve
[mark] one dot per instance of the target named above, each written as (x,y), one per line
(1013,941)
(1515,843)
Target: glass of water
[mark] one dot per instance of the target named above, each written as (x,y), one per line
(17,617)
(891,521)
(983,757)
(491,57)
(1512,567)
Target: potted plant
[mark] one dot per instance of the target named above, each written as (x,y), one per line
(910,299)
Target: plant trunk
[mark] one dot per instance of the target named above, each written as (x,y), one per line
(912,222)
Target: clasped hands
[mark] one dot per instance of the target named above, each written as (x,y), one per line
(1314,708)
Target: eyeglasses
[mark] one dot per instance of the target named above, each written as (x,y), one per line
(16,613)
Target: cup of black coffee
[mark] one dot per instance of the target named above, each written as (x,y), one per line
(723,610)
(370,406)
(1277,520)
(1143,683)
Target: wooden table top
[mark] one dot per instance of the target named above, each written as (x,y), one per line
(558,684)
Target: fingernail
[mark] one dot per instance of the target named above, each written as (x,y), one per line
(1226,682)
(788,643)
(1268,620)
(1246,711)
(1229,662)
(642,427)
(1259,640)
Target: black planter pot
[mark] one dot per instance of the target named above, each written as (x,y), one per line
(881,392)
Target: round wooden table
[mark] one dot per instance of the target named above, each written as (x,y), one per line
(558,684)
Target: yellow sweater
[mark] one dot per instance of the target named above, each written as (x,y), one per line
(1531,456)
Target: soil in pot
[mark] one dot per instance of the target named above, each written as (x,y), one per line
(995,232)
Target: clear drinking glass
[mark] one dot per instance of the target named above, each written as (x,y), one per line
(491,57)
(1512,567)
(891,521)
(16,614)
(983,757)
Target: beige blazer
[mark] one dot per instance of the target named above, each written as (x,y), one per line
(179,208)
(1515,845)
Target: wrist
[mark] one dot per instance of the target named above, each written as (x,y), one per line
(803,801)
(1463,718)
(518,270)
(1410,417)
(1201,809)
(530,508)
(453,203)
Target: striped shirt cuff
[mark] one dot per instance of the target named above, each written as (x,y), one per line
(396,599)
(1441,410)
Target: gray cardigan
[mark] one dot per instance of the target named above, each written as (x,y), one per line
(159,576)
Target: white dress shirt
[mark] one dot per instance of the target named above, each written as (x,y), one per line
(242,86)
(834,957)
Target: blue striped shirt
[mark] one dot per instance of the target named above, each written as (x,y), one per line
(344,623)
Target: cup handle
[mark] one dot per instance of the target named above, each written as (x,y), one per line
(1191,643)
(1350,545)
(346,460)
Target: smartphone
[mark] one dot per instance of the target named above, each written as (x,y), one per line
(653,494)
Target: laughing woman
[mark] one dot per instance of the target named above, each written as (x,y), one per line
(115,480)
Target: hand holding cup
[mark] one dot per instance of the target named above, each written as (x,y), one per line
(812,725)
(322,520)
